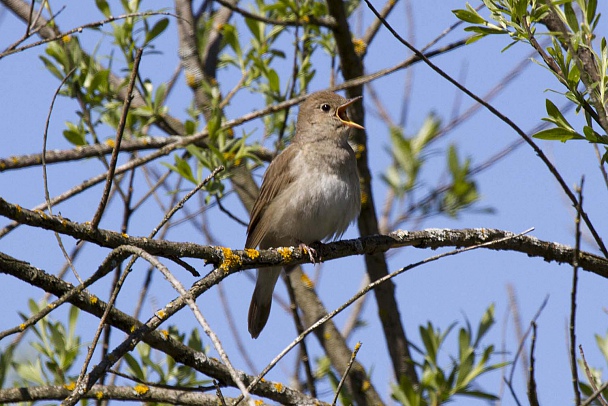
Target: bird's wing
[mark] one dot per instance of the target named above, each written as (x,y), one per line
(276,179)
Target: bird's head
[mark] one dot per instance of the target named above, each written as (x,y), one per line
(324,115)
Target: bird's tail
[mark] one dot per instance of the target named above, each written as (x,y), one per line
(259,309)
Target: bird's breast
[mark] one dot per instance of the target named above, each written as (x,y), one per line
(324,198)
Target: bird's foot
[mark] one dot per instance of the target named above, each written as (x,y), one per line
(312,252)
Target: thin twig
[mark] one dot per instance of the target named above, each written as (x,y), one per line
(595,394)
(575,260)
(532,395)
(45,175)
(348,367)
(218,392)
(119,133)
(327,22)
(591,378)
(519,333)
(520,348)
(81,28)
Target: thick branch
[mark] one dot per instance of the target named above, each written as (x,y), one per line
(139,393)
(235,260)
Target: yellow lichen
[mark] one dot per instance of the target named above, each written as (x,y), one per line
(252,253)
(110,142)
(93,299)
(125,235)
(364,199)
(307,281)
(230,261)
(259,402)
(141,389)
(70,386)
(359,149)
(326,335)
(279,387)
(365,385)
(22,326)
(99,395)
(165,333)
(285,252)
(66,38)
(161,314)
(190,79)
(360,46)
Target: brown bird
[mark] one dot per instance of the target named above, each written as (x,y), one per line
(310,192)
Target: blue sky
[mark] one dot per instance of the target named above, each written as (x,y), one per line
(519,188)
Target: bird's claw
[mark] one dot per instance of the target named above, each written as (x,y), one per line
(312,253)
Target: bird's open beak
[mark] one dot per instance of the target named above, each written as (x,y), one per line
(341,114)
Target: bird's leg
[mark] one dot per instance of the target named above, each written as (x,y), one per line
(312,252)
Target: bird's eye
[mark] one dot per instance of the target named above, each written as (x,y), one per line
(325,107)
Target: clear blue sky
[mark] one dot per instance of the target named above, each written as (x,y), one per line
(519,188)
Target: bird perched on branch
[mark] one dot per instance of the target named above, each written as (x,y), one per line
(310,192)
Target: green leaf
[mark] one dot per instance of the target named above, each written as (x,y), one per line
(571,17)
(558,134)
(134,366)
(74,134)
(557,117)
(469,16)
(156,30)
(593,136)
(487,320)
(256,28)
(591,8)
(273,81)
(574,76)
(486,30)
(103,6)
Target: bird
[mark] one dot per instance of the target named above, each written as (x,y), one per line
(309,193)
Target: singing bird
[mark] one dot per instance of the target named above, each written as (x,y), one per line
(310,192)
